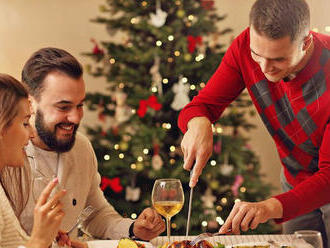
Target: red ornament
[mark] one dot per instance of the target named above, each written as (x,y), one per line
(156,148)
(207,4)
(217,146)
(101,115)
(150,102)
(96,49)
(113,184)
(193,42)
(237,183)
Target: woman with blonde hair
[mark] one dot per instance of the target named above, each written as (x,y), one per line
(15,131)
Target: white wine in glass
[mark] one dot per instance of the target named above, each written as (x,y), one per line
(167,199)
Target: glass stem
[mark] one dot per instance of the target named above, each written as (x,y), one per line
(168,229)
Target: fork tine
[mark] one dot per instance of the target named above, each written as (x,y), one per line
(86,212)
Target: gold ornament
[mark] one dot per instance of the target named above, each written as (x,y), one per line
(187,57)
(123,146)
(180,13)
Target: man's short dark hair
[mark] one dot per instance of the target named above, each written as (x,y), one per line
(47,60)
(279,18)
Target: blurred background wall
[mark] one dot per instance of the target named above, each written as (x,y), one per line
(26,26)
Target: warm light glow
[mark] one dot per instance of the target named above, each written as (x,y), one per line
(213,162)
(158,43)
(237,200)
(133,216)
(191,17)
(165,81)
(121,155)
(220,220)
(134,20)
(172,148)
(140,159)
(224,200)
(172,161)
(192,87)
(202,84)
(177,53)
(116,146)
(178,2)
(213,128)
(204,223)
(170,37)
(145,151)
(184,80)
(112,61)
(242,189)
(199,57)
(144,3)
(219,130)
(133,166)
(170,60)
(173,225)
(133,111)
(154,89)
(219,208)
(107,157)
(121,86)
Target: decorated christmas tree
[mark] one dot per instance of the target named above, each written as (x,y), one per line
(169,51)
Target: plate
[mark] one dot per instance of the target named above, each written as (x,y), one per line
(111,244)
(259,244)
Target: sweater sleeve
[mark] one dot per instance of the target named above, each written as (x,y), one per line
(223,87)
(106,223)
(312,193)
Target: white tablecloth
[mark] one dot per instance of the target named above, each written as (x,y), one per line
(230,240)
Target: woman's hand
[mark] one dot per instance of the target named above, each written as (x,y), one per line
(48,216)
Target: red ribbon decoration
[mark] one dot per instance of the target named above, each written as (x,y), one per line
(207,4)
(96,49)
(150,102)
(193,42)
(113,184)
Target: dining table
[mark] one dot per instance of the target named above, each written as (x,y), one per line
(229,241)
(232,240)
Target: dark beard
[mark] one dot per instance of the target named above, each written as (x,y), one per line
(49,137)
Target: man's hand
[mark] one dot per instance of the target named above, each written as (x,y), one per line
(197,146)
(245,215)
(148,225)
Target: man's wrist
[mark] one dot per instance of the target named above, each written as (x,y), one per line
(131,231)
(275,207)
(199,120)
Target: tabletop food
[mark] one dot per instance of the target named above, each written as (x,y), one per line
(186,244)
(129,243)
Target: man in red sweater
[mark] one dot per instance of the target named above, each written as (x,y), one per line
(285,68)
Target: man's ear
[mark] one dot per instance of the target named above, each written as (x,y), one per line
(33,104)
(308,41)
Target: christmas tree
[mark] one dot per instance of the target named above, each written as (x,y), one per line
(169,52)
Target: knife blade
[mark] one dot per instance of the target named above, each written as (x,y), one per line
(189,206)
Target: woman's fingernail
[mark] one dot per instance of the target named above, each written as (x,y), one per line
(55,180)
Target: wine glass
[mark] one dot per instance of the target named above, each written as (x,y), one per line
(307,239)
(167,199)
(40,181)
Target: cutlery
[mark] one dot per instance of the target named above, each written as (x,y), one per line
(84,214)
(206,235)
(189,208)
